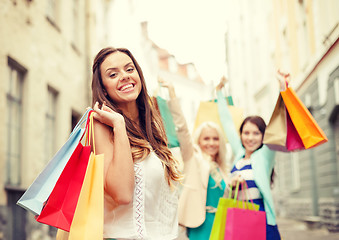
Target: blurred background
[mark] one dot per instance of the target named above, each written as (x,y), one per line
(47,50)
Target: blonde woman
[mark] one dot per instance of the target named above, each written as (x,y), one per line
(204,168)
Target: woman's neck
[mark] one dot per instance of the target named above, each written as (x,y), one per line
(248,155)
(131,111)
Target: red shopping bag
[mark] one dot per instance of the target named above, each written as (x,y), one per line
(244,223)
(60,206)
(293,140)
(88,220)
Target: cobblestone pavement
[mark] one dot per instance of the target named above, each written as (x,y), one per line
(296,230)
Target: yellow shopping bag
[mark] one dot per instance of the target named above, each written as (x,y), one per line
(208,111)
(88,220)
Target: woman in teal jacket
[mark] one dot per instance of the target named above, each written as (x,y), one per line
(253,160)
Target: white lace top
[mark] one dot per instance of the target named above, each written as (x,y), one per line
(153,212)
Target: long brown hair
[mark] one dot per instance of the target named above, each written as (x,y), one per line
(151,133)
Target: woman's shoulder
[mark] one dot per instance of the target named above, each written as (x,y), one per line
(102,134)
(264,156)
(100,127)
(266,151)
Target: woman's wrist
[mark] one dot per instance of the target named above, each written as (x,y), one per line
(118,125)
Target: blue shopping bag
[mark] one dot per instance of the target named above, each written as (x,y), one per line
(38,192)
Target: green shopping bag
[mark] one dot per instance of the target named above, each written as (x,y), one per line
(218,228)
(168,122)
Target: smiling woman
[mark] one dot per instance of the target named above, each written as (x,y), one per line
(209,141)
(140,173)
(253,161)
(120,78)
(204,169)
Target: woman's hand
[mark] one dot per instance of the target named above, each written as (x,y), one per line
(284,79)
(236,179)
(169,86)
(221,84)
(107,116)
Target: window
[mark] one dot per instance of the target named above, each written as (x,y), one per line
(75,118)
(76,26)
(295,171)
(51,11)
(303,41)
(14,122)
(50,124)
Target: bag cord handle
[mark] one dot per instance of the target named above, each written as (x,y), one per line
(245,195)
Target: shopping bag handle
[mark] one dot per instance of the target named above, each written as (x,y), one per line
(235,197)
(86,132)
(245,195)
(82,120)
(91,131)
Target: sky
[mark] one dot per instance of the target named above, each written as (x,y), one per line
(191,30)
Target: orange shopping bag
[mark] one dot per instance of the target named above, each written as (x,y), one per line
(308,129)
(280,133)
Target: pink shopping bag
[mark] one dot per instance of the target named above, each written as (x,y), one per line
(244,223)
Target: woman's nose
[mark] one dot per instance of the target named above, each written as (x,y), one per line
(250,136)
(125,75)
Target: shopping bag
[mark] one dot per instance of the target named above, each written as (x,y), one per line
(168,122)
(88,218)
(308,129)
(276,131)
(244,222)
(219,223)
(280,133)
(208,111)
(229,100)
(88,221)
(293,140)
(38,192)
(60,206)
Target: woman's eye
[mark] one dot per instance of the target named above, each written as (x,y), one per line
(130,69)
(112,75)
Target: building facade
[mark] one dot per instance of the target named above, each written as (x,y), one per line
(300,37)
(307,44)
(44,89)
(45,70)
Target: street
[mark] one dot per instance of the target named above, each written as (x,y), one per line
(297,230)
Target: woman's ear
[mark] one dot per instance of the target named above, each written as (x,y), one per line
(105,93)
